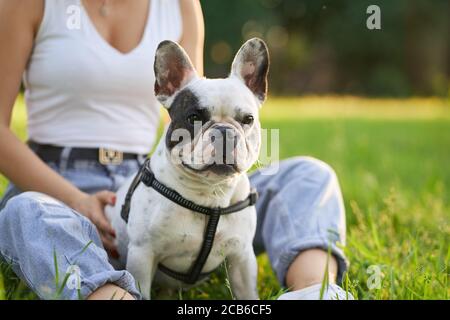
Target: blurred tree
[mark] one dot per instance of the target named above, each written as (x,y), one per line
(324,46)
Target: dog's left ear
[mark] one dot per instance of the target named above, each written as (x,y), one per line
(173,70)
(251,65)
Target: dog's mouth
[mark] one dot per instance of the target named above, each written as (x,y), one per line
(218,169)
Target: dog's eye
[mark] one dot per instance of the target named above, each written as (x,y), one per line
(248,119)
(193,118)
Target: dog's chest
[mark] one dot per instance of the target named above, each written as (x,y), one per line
(176,234)
(183,237)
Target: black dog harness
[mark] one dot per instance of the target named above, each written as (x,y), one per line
(146,176)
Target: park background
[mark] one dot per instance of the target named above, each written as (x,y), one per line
(374,104)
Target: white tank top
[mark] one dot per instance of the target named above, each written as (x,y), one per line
(81,92)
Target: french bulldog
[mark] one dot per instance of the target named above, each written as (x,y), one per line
(189,160)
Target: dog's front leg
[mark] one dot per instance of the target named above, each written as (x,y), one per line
(243,270)
(141,264)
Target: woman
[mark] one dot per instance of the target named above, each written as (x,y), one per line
(87,71)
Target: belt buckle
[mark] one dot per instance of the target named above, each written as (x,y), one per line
(110,156)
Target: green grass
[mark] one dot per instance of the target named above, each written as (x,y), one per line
(393,161)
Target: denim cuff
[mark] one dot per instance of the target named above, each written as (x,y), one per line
(122,279)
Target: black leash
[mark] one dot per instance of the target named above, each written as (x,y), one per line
(146,176)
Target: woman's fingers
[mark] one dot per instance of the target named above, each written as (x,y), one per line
(106,197)
(107,233)
(109,245)
(93,207)
(99,219)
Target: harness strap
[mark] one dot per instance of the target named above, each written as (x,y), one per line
(125,211)
(194,273)
(146,176)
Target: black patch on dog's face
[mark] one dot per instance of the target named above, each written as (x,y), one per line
(185,104)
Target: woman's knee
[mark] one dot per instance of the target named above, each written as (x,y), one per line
(36,217)
(25,207)
(310,168)
(312,193)
(18,219)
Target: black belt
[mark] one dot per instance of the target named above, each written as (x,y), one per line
(146,176)
(51,153)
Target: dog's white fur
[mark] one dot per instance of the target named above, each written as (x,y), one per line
(160,231)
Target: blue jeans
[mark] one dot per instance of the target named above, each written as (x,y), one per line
(300,207)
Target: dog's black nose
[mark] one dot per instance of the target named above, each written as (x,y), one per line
(225,141)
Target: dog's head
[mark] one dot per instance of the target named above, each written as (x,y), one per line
(214,125)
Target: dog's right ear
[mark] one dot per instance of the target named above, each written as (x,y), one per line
(173,71)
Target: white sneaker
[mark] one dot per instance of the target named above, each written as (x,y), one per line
(332,292)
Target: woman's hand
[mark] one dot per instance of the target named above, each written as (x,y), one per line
(93,207)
